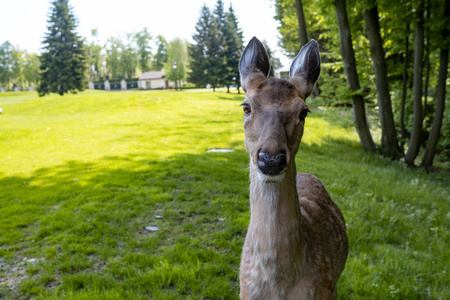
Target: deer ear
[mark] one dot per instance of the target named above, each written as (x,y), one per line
(305,69)
(254,63)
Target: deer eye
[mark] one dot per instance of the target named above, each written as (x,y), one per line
(246,108)
(304,114)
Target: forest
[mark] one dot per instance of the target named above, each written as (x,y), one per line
(389,55)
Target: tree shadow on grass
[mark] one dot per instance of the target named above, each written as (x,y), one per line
(88,218)
(233,97)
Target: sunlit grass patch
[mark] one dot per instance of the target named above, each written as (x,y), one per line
(82,175)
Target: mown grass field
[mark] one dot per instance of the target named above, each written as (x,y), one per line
(82,175)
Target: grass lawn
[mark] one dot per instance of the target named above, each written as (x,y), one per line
(82,175)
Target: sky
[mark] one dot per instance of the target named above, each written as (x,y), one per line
(24,22)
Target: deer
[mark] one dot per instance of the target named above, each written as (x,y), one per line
(296,244)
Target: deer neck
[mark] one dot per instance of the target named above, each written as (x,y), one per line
(275,221)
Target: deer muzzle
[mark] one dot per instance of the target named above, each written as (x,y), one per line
(271,164)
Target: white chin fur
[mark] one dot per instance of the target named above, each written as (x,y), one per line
(274,179)
(267,178)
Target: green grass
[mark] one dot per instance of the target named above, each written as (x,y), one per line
(82,175)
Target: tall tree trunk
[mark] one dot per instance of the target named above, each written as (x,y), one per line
(433,139)
(427,79)
(359,112)
(414,142)
(303,36)
(427,62)
(404,84)
(389,142)
(301,23)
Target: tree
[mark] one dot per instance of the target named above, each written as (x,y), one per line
(414,142)
(160,57)
(219,43)
(63,62)
(234,44)
(176,61)
(205,52)
(385,79)
(129,57)
(31,68)
(221,68)
(359,112)
(17,67)
(301,23)
(404,84)
(286,14)
(114,48)
(430,151)
(302,36)
(219,12)
(275,62)
(17,63)
(94,56)
(389,142)
(143,49)
(6,50)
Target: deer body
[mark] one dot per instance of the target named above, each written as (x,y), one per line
(296,243)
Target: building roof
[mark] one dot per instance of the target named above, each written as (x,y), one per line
(152,75)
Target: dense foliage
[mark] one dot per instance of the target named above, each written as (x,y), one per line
(18,68)
(135,53)
(397,26)
(176,61)
(160,57)
(63,62)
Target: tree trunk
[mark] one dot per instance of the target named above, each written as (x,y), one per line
(389,142)
(427,62)
(359,113)
(427,80)
(301,23)
(433,139)
(303,37)
(404,85)
(414,142)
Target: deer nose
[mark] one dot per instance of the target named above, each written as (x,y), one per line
(271,164)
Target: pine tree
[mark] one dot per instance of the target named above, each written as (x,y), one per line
(205,53)
(63,62)
(219,12)
(234,41)
(221,62)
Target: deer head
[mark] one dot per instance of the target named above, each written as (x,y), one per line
(275,109)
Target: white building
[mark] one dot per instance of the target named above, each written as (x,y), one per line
(153,80)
